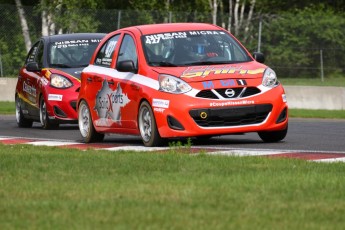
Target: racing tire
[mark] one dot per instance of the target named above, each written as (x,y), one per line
(46,123)
(148,127)
(86,128)
(273,136)
(22,122)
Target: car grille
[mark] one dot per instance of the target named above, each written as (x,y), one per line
(239,92)
(233,116)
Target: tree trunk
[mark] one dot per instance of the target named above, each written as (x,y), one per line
(213,7)
(24,25)
(48,26)
(250,15)
(230,16)
(236,24)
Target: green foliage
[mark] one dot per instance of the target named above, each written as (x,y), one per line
(71,16)
(293,32)
(293,41)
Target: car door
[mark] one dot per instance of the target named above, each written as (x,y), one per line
(127,90)
(31,79)
(98,87)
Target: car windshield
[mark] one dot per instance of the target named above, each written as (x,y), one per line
(71,53)
(184,48)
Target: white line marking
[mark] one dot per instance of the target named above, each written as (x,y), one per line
(331,160)
(135,148)
(51,143)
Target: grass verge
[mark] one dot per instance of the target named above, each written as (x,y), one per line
(332,81)
(7,107)
(51,188)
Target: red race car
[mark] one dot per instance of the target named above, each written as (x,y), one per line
(48,84)
(179,80)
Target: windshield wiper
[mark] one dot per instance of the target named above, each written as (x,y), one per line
(209,63)
(162,63)
(60,65)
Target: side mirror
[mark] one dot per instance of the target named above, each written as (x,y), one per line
(126,66)
(259,57)
(32,67)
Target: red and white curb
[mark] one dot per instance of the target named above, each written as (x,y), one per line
(317,156)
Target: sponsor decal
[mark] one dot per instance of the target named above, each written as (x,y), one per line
(109,103)
(155,38)
(72,43)
(159,110)
(205,32)
(160,103)
(204,71)
(230,103)
(54,97)
(29,89)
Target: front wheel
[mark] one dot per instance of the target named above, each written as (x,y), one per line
(273,136)
(147,126)
(46,123)
(87,130)
(22,122)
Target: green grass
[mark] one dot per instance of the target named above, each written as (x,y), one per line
(321,113)
(334,81)
(7,107)
(51,188)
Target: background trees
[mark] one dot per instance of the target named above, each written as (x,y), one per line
(292,37)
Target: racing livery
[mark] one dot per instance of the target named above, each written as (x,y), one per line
(48,84)
(179,80)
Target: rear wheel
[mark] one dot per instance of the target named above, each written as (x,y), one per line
(87,130)
(21,120)
(273,136)
(147,126)
(45,121)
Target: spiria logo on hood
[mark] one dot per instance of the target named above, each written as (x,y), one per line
(205,71)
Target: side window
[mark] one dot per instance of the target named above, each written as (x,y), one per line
(105,54)
(32,53)
(128,51)
(39,57)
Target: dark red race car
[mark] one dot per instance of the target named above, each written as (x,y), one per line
(48,84)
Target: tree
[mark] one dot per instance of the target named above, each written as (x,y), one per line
(24,25)
(68,16)
(292,42)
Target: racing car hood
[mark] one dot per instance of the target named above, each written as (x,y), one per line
(74,72)
(215,72)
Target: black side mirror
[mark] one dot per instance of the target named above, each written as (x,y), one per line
(126,66)
(32,67)
(259,57)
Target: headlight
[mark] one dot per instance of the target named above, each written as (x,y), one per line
(59,81)
(270,78)
(171,84)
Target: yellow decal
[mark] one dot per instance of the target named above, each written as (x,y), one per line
(227,69)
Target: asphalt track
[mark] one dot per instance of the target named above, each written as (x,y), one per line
(315,136)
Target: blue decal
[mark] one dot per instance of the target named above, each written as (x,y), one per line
(227,82)
(208,85)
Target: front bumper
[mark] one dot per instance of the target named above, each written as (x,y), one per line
(189,116)
(61,104)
